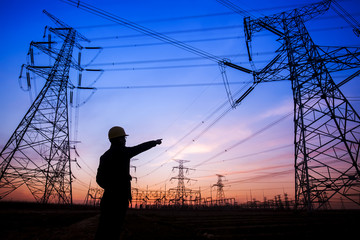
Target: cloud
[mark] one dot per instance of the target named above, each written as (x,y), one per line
(199,148)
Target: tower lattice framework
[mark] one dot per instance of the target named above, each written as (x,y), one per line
(220,195)
(37,154)
(327,127)
(181,191)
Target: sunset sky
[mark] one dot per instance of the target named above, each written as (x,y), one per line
(156,90)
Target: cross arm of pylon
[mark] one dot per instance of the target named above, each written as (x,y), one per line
(267,23)
(275,69)
(274,22)
(349,78)
(53,53)
(42,71)
(311,11)
(64,25)
(42,46)
(339,58)
(269,73)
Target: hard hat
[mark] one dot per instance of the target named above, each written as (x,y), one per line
(116,131)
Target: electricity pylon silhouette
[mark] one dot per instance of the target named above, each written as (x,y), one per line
(181,190)
(38,152)
(220,195)
(327,127)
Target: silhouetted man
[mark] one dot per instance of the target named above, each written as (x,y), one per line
(114,177)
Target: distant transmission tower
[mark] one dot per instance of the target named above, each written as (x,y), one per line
(220,195)
(37,154)
(327,127)
(181,190)
(93,196)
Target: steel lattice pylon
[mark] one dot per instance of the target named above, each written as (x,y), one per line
(38,152)
(181,190)
(220,195)
(327,127)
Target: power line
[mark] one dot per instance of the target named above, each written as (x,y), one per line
(251,154)
(171,32)
(158,67)
(169,86)
(186,135)
(206,129)
(164,60)
(203,55)
(251,170)
(247,138)
(219,14)
(202,40)
(168,67)
(122,21)
(218,118)
(146,31)
(252,179)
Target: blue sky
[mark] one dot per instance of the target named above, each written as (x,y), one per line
(236,146)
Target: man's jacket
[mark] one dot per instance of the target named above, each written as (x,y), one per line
(113,174)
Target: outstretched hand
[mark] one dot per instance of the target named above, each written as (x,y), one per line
(158,141)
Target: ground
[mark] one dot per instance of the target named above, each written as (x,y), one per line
(38,222)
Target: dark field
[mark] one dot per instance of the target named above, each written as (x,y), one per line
(32,221)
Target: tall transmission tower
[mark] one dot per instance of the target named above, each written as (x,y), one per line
(181,190)
(220,195)
(327,127)
(37,154)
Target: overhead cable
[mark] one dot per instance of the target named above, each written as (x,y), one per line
(204,39)
(163,60)
(163,43)
(219,14)
(267,175)
(246,139)
(122,21)
(171,32)
(218,118)
(167,86)
(162,37)
(251,154)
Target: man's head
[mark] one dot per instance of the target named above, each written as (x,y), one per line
(117,135)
